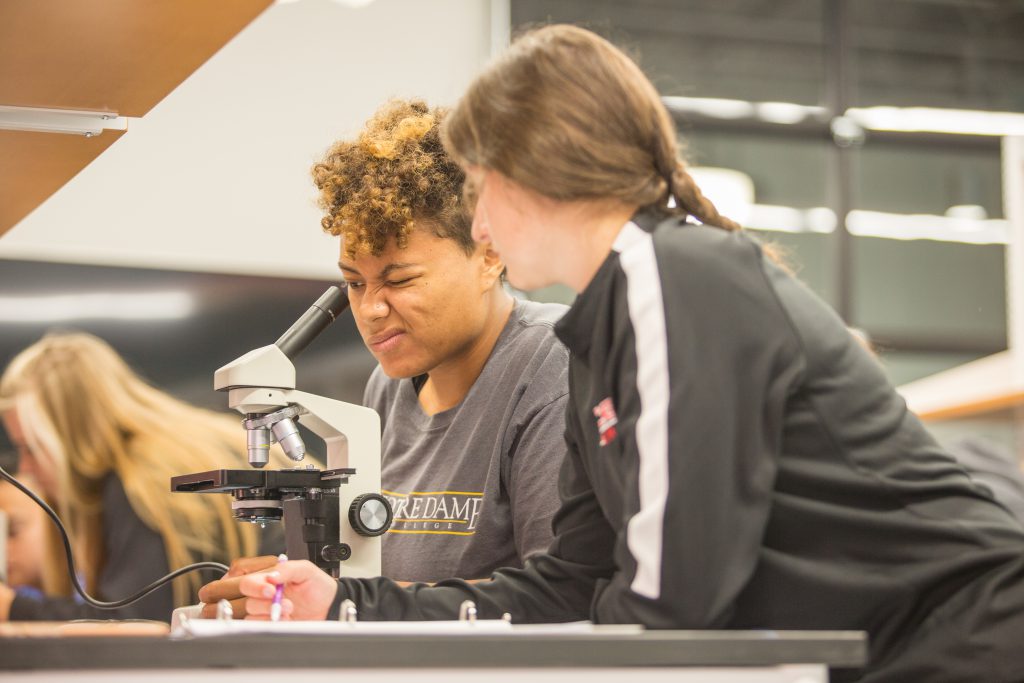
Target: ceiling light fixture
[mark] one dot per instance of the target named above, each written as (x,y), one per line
(770,112)
(885,118)
(99,306)
(934,120)
(74,122)
(895,226)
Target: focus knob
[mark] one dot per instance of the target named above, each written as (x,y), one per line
(370,514)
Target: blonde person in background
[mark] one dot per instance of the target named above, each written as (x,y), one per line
(103,445)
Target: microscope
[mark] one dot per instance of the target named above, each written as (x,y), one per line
(333,517)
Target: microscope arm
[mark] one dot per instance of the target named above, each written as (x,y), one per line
(358,448)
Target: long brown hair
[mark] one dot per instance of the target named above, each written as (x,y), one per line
(568,115)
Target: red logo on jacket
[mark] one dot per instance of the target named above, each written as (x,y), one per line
(606,421)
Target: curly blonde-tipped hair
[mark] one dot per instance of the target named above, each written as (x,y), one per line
(393,176)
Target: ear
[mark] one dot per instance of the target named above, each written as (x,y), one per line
(491,265)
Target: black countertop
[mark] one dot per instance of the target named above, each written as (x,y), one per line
(837,649)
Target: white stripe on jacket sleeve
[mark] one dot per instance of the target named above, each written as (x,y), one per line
(644,533)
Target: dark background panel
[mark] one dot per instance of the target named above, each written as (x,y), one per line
(233,315)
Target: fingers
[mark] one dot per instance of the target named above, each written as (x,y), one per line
(247,565)
(309,589)
(222,589)
(258,608)
(226,587)
(293,572)
(209,610)
(260,586)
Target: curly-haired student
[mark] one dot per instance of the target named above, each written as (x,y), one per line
(472,383)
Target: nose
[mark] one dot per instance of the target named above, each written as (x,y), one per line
(481,229)
(373,305)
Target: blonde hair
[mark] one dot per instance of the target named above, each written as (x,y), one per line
(85,415)
(568,115)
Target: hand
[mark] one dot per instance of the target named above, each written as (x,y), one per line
(226,587)
(308,591)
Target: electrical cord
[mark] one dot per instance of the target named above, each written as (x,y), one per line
(196,566)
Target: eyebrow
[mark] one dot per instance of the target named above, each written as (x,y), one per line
(388,269)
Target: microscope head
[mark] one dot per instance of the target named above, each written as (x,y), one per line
(266,372)
(268,418)
(333,517)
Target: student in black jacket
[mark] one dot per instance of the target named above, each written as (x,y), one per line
(735,458)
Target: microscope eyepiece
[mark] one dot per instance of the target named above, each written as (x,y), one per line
(315,320)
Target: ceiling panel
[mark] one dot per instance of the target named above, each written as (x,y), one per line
(35,165)
(110,55)
(119,56)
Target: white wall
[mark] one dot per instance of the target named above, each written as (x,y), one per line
(216,176)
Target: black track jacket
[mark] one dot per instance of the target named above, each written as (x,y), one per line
(737,460)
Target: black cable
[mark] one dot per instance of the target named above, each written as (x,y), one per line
(71,560)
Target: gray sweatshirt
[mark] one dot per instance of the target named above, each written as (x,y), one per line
(474,487)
